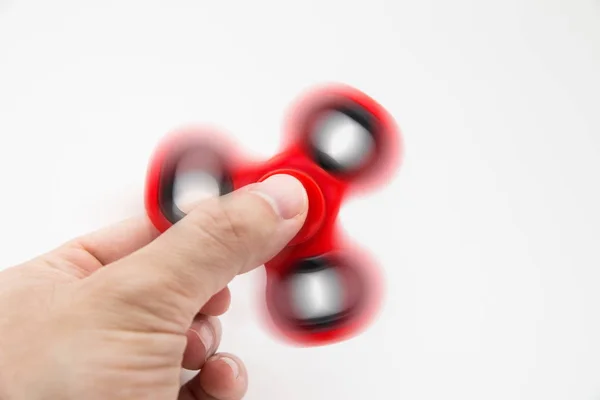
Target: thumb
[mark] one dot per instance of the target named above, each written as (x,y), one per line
(198,256)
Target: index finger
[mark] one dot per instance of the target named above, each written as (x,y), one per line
(114,242)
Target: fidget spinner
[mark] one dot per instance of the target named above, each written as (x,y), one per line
(321,288)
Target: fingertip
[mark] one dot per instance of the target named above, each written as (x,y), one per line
(203,339)
(286,195)
(224,377)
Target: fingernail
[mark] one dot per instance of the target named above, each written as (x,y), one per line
(206,336)
(235,369)
(285,193)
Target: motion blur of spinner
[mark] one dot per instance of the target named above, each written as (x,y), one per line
(322,288)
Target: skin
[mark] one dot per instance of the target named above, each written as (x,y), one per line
(117,313)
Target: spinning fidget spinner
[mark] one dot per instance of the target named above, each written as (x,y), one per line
(319,256)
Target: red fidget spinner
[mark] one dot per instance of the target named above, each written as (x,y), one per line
(319,257)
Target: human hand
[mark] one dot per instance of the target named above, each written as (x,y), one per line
(116,314)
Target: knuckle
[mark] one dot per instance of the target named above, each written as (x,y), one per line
(223,232)
(149,298)
(223,224)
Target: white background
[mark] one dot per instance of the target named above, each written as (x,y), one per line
(490,234)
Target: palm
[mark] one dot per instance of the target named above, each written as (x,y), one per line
(137,356)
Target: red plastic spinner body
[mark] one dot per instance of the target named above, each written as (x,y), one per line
(320,244)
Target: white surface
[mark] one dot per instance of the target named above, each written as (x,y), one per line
(490,234)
